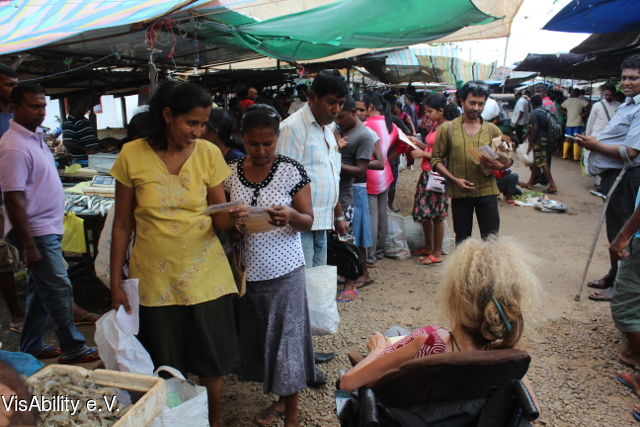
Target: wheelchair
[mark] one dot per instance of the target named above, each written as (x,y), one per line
(457,389)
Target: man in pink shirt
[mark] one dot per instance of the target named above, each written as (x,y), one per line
(34,203)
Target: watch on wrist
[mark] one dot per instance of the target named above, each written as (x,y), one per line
(339,218)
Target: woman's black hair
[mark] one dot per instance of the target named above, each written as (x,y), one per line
(180,98)
(224,123)
(439,102)
(375,99)
(261,116)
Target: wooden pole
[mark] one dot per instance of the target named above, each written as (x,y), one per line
(123,105)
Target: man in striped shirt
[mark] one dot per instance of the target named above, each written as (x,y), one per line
(307,136)
(77,133)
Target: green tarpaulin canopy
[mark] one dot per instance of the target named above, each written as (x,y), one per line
(345,25)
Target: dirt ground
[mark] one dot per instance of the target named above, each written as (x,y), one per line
(573,344)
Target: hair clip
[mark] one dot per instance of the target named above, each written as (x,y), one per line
(261,112)
(506,322)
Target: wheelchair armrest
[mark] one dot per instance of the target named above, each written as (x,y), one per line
(530,412)
(368,410)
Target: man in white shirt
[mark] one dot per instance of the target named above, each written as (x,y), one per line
(491,110)
(602,112)
(521,114)
(303,91)
(600,115)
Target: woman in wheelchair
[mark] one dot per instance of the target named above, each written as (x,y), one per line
(489,284)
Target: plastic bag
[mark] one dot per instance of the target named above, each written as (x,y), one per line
(396,245)
(414,233)
(119,350)
(73,238)
(416,240)
(527,158)
(103,259)
(322,286)
(187,403)
(24,364)
(403,162)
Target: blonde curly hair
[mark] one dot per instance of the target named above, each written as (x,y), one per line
(475,274)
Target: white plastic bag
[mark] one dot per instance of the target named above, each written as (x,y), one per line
(403,162)
(415,234)
(103,259)
(416,240)
(396,245)
(194,409)
(527,158)
(119,350)
(322,286)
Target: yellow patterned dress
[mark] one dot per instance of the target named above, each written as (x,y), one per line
(176,255)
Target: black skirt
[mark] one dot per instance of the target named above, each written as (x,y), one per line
(200,339)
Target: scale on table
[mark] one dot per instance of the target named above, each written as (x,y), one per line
(103,181)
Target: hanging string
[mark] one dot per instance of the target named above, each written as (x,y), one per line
(116,54)
(154,35)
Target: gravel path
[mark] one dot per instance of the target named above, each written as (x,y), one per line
(573,344)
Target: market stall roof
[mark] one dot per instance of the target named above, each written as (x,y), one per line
(603,42)
(597,16)
(174,35)
(577,66)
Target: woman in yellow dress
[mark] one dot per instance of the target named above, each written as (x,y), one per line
(164,183)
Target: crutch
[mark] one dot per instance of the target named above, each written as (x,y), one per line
(607,198)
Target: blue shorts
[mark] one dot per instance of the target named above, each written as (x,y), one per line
(361,225)
(573,130)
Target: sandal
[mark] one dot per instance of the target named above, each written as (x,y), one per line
(90,356)
(49,353)
(601,296)
(88,319)
(269,415)
(433,260)
(343,293)
(598,284)
(16,327)
(625,378)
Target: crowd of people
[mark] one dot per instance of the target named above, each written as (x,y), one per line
(326,163)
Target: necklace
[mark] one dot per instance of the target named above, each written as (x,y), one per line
(173,163)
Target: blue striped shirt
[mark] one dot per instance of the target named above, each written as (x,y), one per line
(623,129)
(315,147)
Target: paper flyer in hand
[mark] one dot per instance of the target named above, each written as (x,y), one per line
(404,138)
(478,152)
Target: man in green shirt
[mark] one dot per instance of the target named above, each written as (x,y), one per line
(472,188)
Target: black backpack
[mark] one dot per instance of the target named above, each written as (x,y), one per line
(554,128)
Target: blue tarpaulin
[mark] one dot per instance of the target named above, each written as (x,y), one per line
(597,16)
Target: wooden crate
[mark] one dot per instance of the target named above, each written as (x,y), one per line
(143,411)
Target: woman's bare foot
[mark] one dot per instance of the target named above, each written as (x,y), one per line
(430,259)
(270,414)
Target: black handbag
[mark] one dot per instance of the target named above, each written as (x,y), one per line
(346,256)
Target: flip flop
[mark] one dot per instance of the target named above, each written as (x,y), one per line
(422,251)
(16,327)
(511,202)
(636,415)
(371,265)
(90,356)
(600,296)
(547,191)
(598,284)
(625,379)
(431,257)
(343,293)
(49,353)
(268,416)
(88,319)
